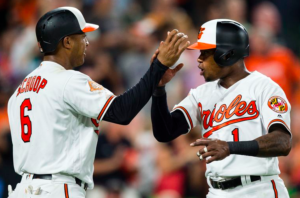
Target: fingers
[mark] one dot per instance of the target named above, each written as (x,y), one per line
(203,156)
(179,41)
(154,56)
(201,142)
(175,38)
(178,67)
(209,156)
(213,158)
(205,150)
(184,47)
(171,35)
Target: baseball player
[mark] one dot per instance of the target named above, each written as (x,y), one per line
(245,117)
(54,114)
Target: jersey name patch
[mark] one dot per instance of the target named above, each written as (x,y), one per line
(278,104)
(95,86)
(237,107)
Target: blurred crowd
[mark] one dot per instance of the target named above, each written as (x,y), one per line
(130,163)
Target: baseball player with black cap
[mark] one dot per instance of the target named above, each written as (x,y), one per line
(54,114)
(245,117)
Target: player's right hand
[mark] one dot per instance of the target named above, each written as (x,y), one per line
(171,49)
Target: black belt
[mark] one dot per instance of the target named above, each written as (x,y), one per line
(232,183)
(49,177)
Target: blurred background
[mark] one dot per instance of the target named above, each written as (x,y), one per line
(129,162)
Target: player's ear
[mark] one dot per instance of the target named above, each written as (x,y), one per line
(67,42)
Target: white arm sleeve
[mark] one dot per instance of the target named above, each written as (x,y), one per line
(275,108)
(87,97)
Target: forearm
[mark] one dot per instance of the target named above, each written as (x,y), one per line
(126,106)
(166,126)
(276,143)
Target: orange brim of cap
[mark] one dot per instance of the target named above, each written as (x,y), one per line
(201,46)
(89,27)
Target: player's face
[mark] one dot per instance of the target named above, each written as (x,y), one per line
(209,68)
(78,52)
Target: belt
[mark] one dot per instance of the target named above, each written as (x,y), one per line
(49,177)
(232,183)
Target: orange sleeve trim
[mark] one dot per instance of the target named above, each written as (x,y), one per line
(278,120)
(66,191)
(105,106)
(274,188)
(187,114)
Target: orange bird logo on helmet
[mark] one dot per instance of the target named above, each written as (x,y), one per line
(200,32)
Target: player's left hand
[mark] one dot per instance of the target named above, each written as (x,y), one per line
(213,150)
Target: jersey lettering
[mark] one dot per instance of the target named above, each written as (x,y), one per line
(32,84)
(236,107)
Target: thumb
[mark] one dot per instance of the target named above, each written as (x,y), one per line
(178,67)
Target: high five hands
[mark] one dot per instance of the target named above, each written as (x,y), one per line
(213,150)
(171,49)
(169,52)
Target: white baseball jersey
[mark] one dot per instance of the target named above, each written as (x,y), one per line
(54,117)
(243,112)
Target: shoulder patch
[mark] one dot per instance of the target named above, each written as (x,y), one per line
(95,86)
(278,104)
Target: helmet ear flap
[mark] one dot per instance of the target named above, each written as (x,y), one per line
(228,55)
(226,58)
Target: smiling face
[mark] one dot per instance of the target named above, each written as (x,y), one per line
(210,70)
(78,50)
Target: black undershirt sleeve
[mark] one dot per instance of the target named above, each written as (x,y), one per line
(126,106)
(166,126)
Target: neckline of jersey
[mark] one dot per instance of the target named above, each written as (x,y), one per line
(237,82)
(51,64)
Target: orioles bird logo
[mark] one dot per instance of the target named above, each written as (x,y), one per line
(95,86)
(200,32)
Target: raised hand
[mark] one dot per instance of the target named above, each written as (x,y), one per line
(213,150)
(169,74)
(171,49)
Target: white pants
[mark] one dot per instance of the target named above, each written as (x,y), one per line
(269,187)
(60,186)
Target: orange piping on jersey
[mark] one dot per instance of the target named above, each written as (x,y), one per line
(188,115)
(105,106)
(66,191)
(94,121)
(274,188)
(96,124)
(278,120)
(215,128)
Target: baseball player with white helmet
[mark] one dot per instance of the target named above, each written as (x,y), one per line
(54,114)
(245,117)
